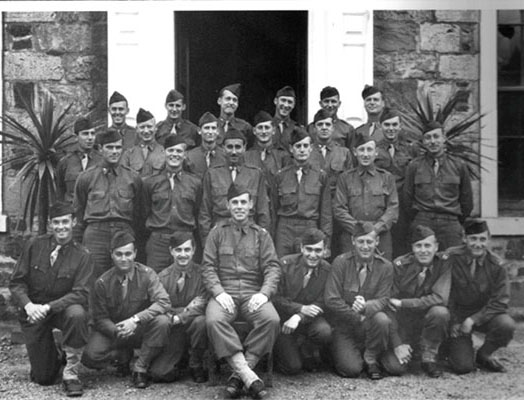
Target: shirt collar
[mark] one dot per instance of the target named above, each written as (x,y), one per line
(188,270)
(370,170)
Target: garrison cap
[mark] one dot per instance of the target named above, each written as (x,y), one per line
(206,118)
(421,232)
(109,136)
(328,91)
(234,134)
(312,236)
(234,88)
(179,238)
(173,140)
(363,228)
(60,208)
(286,91)
(235,191)
(143,116)
(369,90)
(174,95)
(321,115)
(121,238)
(389,113)
(82,124)
(262,116)
(431,126)
(475,226)
(116,98)
(362,138)
(297,135)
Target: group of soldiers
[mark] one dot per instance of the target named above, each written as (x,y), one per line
(324,239)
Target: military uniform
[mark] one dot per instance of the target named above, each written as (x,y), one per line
(197,159)
(241,261)
(366,194)
(182,127)
(169,210)
(291,296)
(301,205)
(283,129)
(354,332)
(235,123)
(189,305)
(153,162)
(371,129)
(440,201)
(128,134)
(343,132)
(146,299)
(65,287)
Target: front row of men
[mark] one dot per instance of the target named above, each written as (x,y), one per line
(361,313)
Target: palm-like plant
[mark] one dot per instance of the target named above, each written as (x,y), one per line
(461,141)
(37,151)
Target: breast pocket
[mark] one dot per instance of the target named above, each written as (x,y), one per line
(126,199)
(450,186)
(379,196)
(287,195)
(64,281)
(226,255)
(160,198)
(423,187)
(37,278)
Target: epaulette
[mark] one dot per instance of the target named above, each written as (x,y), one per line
(343,121)
(495,258)
(285,168)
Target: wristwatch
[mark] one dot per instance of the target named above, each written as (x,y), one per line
(135,319)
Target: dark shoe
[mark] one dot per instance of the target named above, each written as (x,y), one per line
(374,372)
(432,369)
(199,375)
(140,380)
(257,390)
(122,370)
(489,363)
(234,388)
(73,388)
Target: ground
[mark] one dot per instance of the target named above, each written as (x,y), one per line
(14,383)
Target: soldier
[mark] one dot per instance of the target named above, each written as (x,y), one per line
(108,198)
(218,179)
(374,105)
(50,283)
(208,154)
(478,302)
(118,110)
(302,197)
(183,282)
(147,157)
(128,306)
(394,155)
(285,101)
(421,284)
(437,189)
(356,294)
(366,193)
(300,304)
(241,272)
(343,132)
(228,101)
(172,199)
(174,124)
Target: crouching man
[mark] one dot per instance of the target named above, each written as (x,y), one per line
(128,305)
(300,304)
(183,282)
(51,284)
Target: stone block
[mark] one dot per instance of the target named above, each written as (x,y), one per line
(79,68)
(417,16)
(469,38)
(8,310)
(382,65)
(395,36)
(32,66)
(65,38)
(414,66)
(30,16)
(444,38)
(457,15)
(80,95)
(459,67)
(399,93)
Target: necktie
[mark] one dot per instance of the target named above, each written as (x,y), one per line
(323,150)
(124,285)
(391,150)
(436,166)
(172,181)
(263,154)
(371,128)
(473,268)
(422,275)
(173,129)
(281,126)
(226,126)
(208,158)
(181,281)
(84,161)
(299,174)
(54,254)
(233,173)
(307,277)
(145,150)
(362,275)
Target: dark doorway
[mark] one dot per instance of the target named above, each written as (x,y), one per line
(263,50)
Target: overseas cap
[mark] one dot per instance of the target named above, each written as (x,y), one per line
(363,228)
(173,140)
(286,91)
(235,191)
(328,91)
(389,113)
(143,116)
(421,232)
(262,116)
(206,118)
(312,236)
(116,98)
(60,208)
(362,138)
(109,136)
(369,90)
(82,124)
(174,95)
(475,226)
(234,88)
(297,135)
(121,238)
(234,134)
(431,126)
(179,238)
(320,115)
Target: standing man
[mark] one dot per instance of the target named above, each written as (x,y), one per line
(285,101)
(374,105)
(208,154)
(300,304)
(228,100)
(147,157)
(479,302)
(241,272)
(118,110)
(343,132)
(437,189)
(421,285)
(50,283)
(218,179)
(172,199)
(128,306)
(366,193)
(302,197)
(183,282)
(174,124)
(108,198)
(356,295)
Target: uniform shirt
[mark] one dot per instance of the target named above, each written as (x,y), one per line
(146,298)
(396,165)
(128,133)
(68,170)
(282,137)
(191,301)
(337,160)
(235,123)
(377,134)
(105,194)
(276,159)
(309,199)
(197,159)
(343,285)
(481,297)
(133,158)
(184,128)
(291,294)
(448,192)
(214,199)
(343,132)
(65,283)
(172,209)
(366,194)
(240,260)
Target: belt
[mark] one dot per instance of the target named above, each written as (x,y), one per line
(111,224)
(436,215)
